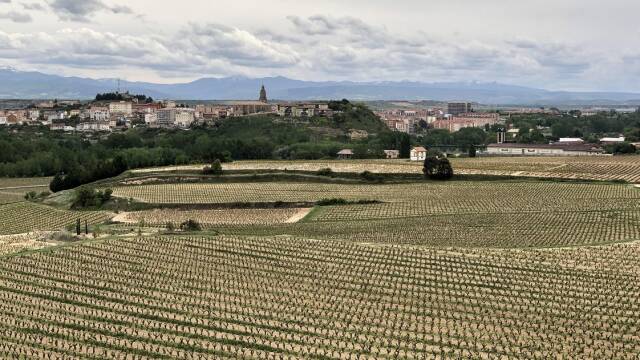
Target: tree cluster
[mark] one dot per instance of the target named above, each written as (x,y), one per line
(437,167)
(86,197)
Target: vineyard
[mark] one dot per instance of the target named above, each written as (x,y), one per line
(436,214)
(287,297)
(507,269)
(606,168)
(24,217)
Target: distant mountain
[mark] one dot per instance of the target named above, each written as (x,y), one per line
(34,85)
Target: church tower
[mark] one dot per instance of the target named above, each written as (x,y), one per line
(263,95)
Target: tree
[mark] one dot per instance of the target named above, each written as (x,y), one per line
(57,184)
(404,145)
(621,148)
(437,167)
(472,151)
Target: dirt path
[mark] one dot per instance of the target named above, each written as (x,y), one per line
(299,215)
(122,217)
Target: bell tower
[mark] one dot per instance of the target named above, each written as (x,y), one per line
(263,95)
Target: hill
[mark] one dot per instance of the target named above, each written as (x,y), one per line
(35,85)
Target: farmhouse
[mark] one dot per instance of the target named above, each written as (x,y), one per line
(392,154)
(418,154)
(345,154)
(557,149)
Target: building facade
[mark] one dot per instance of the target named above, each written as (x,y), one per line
(457,108)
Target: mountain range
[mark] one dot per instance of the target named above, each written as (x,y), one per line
(35,85)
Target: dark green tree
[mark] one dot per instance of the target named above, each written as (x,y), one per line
(437,167)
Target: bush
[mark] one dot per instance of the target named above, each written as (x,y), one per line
(325,172)
(437,168)
(30,196)
(88,197)
(330,202)
(190,225)
(369,176)
(214,169)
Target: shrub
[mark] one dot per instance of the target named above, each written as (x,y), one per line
(30,196)
(190,225)
(33,196)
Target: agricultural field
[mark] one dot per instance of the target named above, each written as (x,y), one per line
(604,168)
(24,217)
(210,218)
(290,297)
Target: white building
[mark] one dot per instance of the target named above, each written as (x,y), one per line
(93,126)
(612,140)
(418,154)
(184,117)
(151,119)
(34,115)
(557,149)
(121,107)
(571,140)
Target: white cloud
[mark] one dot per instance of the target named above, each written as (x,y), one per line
(318,47)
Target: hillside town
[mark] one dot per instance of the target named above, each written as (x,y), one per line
(120,111)
(126,111)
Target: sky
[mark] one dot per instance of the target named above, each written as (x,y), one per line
(588,45)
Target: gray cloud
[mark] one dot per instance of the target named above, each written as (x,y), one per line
(83,10)
(33,6)
(16,16)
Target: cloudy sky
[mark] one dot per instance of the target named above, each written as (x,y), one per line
(553,44)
